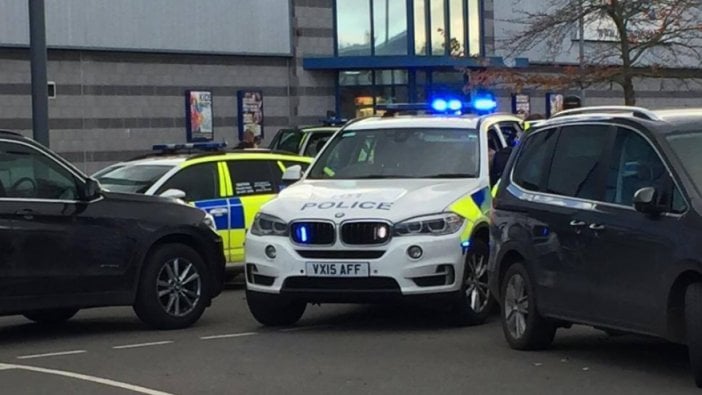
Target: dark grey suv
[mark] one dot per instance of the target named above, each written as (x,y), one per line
(597,221)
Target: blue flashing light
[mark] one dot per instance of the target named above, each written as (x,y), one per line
(455,105)
(303,234)
(484,104)
(465,243)
(439,105)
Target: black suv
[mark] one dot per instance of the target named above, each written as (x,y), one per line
(598,221)
(66,245)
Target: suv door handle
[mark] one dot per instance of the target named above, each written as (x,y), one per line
(577,223)
(597,227)
(218,211)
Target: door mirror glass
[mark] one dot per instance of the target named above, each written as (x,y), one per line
(91,189)
(173,193)
(647,200)
(293,173)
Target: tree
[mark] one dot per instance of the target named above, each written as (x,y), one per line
(635,39)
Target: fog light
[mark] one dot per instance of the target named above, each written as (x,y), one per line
(415,252)
(271,252)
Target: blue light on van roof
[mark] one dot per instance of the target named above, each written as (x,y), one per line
(439,105)
(455,105)
(484,102)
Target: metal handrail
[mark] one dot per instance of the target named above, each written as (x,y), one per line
(639,112)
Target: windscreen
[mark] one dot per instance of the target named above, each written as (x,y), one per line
(400,153)
(132,179)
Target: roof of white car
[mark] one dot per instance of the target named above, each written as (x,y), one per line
(414,121)
(158,161)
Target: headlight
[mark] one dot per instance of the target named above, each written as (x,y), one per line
(268,225)
(438,225)
(210,222)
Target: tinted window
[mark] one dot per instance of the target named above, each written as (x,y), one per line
(577,162)
(199,182)
(400,153)
(687,148)
(534,159)
(252,177)
(510,131)
(288,140)
(132,179)
(635,165)
(27,173)
(316,143)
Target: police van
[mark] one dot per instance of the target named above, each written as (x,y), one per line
(394,207)
(229,185)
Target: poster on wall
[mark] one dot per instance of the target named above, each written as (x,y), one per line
(554,103)
(250,113)
(198,114)
(521,105)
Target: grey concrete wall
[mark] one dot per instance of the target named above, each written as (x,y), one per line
(111,106)
(213,26)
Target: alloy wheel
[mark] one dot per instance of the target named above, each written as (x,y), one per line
(516,304)
(476,283)
(179,287)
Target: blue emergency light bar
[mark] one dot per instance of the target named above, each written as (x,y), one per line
(334,121)
(482,103)
(189,147)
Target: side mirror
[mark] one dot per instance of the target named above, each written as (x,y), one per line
(293,173)
(91,189)
(647,201)
(173,194)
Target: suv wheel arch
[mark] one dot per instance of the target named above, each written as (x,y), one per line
(675,307)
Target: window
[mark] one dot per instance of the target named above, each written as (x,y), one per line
(474,28)
(420,27)
(252,177)
(577,162)
(494,142)
(438,27)
(132,179)
(457,27)
(532,166)
(316,143)
(287,140)
(511,132)
(390,27)
(400,153)
(687,148)
(27,173)
(634,165)
(353,26)
(199,182)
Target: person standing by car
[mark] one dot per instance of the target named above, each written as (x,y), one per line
(248,141)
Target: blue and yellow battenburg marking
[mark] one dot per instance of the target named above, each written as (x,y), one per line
(475,209)
(227,213)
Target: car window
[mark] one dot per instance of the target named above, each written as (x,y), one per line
(400,153)
(510,131)
(289,141)
(252,177)
(634,164)
(494,142)
(132,179)
(687,147)
(531,168)
(316,143)
(27,173)
(199,182)
(578,161)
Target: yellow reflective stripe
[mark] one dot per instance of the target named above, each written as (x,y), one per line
(250,155)
(225,179)
(466,208)
(494,189)
(222,182)
(281,166)
(329,172)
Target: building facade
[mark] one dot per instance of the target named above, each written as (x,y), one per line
(120,69)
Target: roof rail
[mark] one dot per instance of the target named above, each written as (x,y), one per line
(638,112)
(10,132)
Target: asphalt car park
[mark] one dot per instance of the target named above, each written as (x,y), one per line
(334,349)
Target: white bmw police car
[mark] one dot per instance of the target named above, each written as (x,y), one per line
(393,207)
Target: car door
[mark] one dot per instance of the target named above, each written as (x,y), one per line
(574,179)
(253,185)
(57,244)
(630,249)
(204,188)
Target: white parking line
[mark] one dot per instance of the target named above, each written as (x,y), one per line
(142,345)
(52,354)
(85,377)
(304,328)
(227,335)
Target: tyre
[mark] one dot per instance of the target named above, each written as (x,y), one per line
(51,317)
(693,329)
(274,310)
(523,327)
(173,290)
(474,303)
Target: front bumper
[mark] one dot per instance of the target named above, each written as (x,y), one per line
(394,275)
